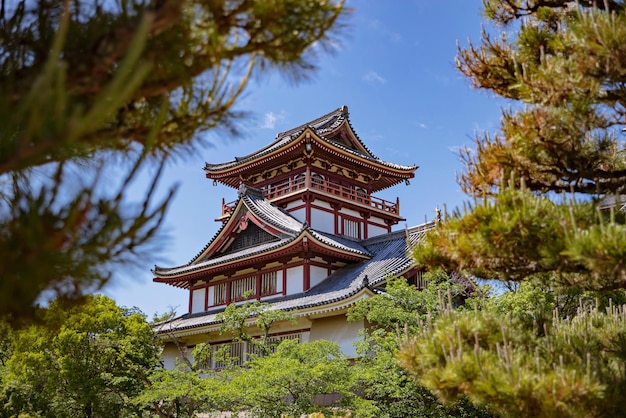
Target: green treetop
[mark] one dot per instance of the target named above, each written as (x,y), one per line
(537,182)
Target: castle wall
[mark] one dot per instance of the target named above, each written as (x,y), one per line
(376,226)
(294,280)
(197,300)
(322,220)
(337,329)
(318,274)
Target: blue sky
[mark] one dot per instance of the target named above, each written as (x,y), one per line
(408,103)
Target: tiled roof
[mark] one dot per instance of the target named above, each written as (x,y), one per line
(339,242)
(389,257)
(216,261)
(290,227)
(271,214)
(612,201)
(321,126)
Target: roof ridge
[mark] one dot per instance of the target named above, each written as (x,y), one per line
(394,235)
(341,111)
(245,190)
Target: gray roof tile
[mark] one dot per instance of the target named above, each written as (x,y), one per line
(389,257)
(290,227)
(321,126)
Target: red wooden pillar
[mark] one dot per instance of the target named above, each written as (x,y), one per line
(306,267)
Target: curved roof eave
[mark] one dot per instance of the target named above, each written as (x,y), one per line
(341,287)
(262,209)
(320,240)
(318,128)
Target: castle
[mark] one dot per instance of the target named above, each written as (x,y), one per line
(306,234)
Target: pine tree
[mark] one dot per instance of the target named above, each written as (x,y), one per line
(90,88)
(540,183)
(546,214)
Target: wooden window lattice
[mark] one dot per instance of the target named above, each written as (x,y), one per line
(253,235)
(238,352)
(268,283)
(351,228)
(240,286)
(219,294)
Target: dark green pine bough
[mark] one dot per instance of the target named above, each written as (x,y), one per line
(91,89)
(546,214)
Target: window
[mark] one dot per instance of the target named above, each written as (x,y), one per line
(317,181)
(361,195)
(229,353)
(351,228)
(268,283)
(219,294)
(238,352)
(418,280)
(240,286)
(298,181)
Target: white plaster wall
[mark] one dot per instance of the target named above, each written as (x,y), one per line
(197,300)
(279,281)
(323,221)
(299,214)
(318,274)
(211,295)
(351,212)
(295,280)
(170,356)
(339,330)
(322,204)
(306,336)
(373,230)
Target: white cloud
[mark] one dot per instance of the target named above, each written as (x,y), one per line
(271,118)
(422,125)
(374,78)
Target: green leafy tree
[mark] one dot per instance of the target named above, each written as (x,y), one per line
(184,392)
(402,310)
(291,381)
(88,361)
(279,379)
(91,88)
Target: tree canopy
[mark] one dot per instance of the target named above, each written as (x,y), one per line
(546,219)
(90,88)
(89,361)
(544,184)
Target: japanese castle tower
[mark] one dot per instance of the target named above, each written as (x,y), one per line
(306,234)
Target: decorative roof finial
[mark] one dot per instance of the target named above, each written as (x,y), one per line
(437,214)
(242,189)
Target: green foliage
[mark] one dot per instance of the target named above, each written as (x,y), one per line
(402,304)
(180,393)
(289,381)
(562,62)
(546,214)
(568,367)
(402,309)
(237,319)
(85,361)
(518,235)
(91,88)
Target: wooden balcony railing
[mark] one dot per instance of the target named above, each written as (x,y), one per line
(324,186)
